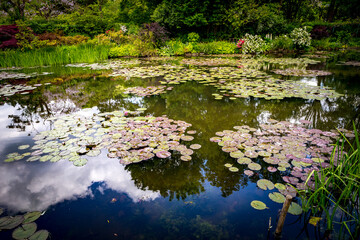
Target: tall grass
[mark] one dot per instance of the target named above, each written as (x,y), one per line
(337,188)
(54,55)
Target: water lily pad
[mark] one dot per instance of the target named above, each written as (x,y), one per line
(236,154)
(185,158)
(233,169)
(40,235)
(187,138)
(254,166)
(295,209)
(22,147)
(228,165)
(249,173)
(277,197)
(244,160)
(265,184)
(258,205)
(314,220)
(24,231)
(280,186)
(31,216)
(163,154)
(195,146)
(10,222)
(80,162)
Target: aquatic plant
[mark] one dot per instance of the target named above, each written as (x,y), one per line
(148,91)
(334,191)
(301,72)
(131,139)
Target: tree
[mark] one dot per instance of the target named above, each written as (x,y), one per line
(14,8)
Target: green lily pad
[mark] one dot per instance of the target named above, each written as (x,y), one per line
(258,205)
(195,146)
(40,235)
(280,186)
(228,165)
(185,158)
(22,147)
(10,222)
(24,231)
(254,166)
(233,169)
(236,154)
(295,209)
(277,197)
(80,162)
(265,184)
(31,216)
(244,160)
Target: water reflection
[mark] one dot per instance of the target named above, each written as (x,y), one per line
(28,187)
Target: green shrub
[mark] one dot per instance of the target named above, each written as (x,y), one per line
(325,44)
(193,37)
(217,47)
(253,44)
(124,50)
(301,38)
(282,42)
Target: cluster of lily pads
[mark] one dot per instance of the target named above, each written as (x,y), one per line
(210,61)
(301,72)
(148,91)
(285,147)
(146,71)
(9,90)
(24,225)
(106,65)
(271,88)
(14,75)
(132,139)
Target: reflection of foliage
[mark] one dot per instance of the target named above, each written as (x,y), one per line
(173,178)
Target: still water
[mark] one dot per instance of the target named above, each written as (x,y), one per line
(159,198)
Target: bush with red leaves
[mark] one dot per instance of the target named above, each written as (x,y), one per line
(319,32)
(7,36)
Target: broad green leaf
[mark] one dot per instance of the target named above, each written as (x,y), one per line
(24,231)
(258,205)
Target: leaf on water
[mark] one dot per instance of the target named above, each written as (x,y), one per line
(31,216)
(233,169)
(258,205)
(228,165)
(40,235)
(254,166)
(195,146)
(314,220)
(22,147)
(265,184)
(10,222)
(80,162)
(277,197)
(295,209)
(280,186)
(24,231)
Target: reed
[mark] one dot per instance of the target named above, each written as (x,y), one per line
(54,56)
(337,188)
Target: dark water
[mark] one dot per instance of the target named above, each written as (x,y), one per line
(156,199)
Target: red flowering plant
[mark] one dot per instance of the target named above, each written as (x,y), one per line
(240,43)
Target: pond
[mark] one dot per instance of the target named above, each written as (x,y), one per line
(101,158)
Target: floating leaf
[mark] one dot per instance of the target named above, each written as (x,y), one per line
(258,205)
(295,209)
(233,169)
(280,186)
(185,158)
(80,162)
(31,216)
(22,147)
(254,166)
(10,222)
(314,220)
(236,154)
(195,146)
(265,184)
(40,235)
(163,154)
(24,231)
(277,197)
(249,173)
(228,165)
